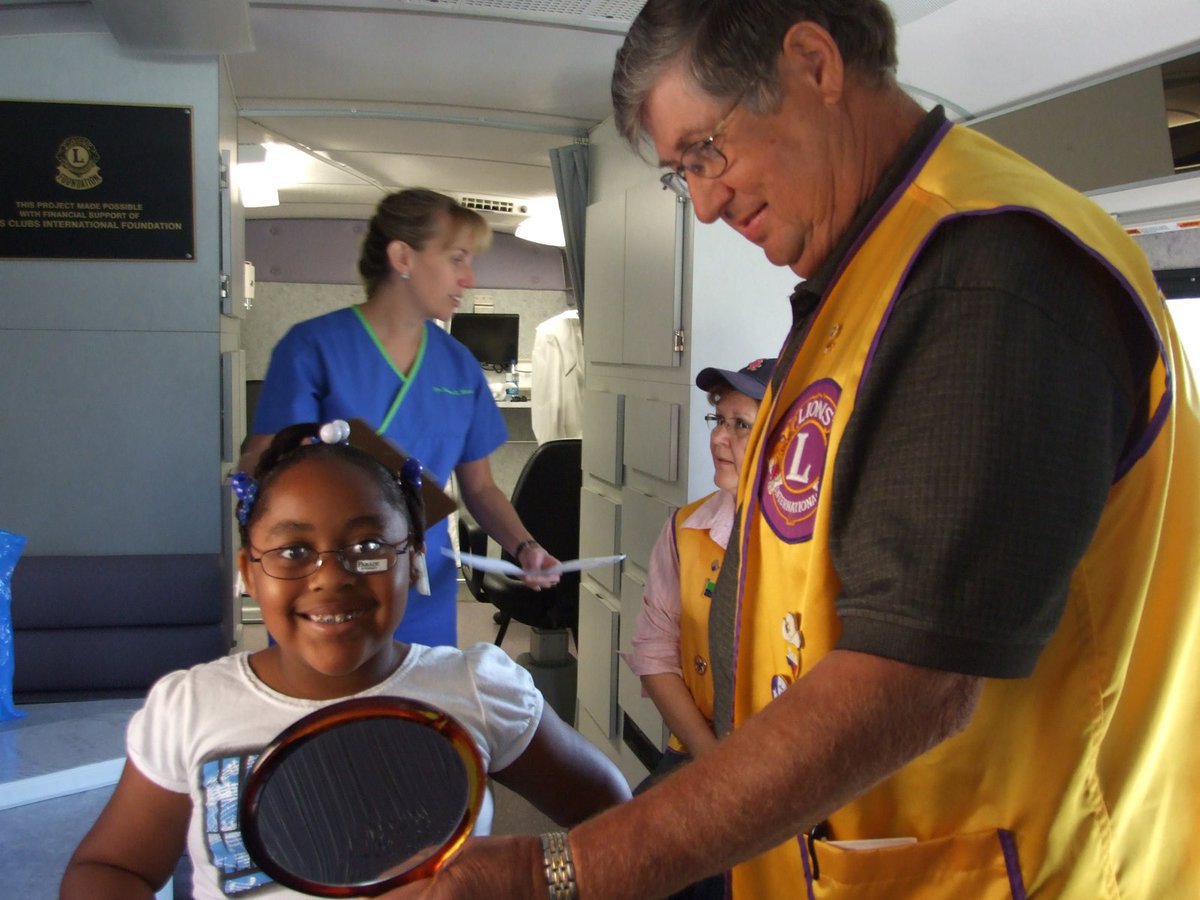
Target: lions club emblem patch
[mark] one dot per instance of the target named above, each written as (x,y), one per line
(797,452)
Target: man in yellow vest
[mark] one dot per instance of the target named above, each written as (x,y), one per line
(971,487)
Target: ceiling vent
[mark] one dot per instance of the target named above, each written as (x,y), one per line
(604,15)
(499,205)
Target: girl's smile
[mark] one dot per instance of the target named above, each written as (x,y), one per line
(332,627)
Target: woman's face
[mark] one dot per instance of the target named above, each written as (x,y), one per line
(333,627)
(440,273)
(727,441)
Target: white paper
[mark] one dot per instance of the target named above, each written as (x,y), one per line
(504,567)
(873,843)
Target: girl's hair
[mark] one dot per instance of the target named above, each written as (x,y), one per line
(297,443)
(414,216)
(730,48)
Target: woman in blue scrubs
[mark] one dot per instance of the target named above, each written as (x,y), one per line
(385,361)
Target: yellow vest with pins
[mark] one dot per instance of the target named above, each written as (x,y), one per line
(699,562)
(1080,781)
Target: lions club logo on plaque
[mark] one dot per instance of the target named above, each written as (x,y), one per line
(78,164)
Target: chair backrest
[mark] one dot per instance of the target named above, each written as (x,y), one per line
(546,496)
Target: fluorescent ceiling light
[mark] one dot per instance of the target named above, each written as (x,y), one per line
(256,181)
(289,165)
(544,224)
(257,187)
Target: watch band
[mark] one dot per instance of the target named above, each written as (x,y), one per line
(560,870)
(528,542)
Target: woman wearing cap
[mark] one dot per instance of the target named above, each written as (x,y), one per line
(670,642)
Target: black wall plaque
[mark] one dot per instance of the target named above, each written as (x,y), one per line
(95,181)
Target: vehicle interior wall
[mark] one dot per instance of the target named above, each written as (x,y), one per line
(99,357)
(111,411)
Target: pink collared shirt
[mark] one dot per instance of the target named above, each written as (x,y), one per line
(656,635)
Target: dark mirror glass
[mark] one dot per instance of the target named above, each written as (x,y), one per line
(359,802)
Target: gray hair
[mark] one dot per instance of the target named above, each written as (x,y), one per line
(730,48)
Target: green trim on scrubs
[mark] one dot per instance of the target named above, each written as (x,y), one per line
(406,380)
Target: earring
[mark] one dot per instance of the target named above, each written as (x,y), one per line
(420,574)
(404,275)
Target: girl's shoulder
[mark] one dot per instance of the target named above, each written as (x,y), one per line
(478,658)
(205,679)
(482,670)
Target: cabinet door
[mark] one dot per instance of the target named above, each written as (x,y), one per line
(604,280)
(653,275)
(597,681)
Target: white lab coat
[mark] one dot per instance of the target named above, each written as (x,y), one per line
(556,385)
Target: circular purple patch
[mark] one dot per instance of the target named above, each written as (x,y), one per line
(796,454)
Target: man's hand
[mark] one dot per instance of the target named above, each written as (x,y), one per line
(498,868)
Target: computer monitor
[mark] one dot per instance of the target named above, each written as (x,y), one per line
(253,389)
(491,337)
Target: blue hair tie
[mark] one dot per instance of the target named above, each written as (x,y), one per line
(410,472)
(246,489)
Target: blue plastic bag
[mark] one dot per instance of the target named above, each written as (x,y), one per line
(11,546)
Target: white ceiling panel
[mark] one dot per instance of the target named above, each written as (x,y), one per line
(468,96)
(983,57)
(360,194)
(338,58)
(415,138)
(454,176)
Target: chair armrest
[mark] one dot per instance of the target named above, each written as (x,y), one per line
(472,539)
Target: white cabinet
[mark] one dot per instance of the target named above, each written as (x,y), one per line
(655,280)
(597,681)
(636,239)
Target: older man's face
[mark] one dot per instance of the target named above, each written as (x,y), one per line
(782,187)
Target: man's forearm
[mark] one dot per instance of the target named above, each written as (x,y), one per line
(847,724)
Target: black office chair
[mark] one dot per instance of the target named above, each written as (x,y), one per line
(546,498)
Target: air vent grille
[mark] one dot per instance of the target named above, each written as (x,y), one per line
(609,15)
(495,205)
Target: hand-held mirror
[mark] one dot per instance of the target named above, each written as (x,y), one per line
(361,796)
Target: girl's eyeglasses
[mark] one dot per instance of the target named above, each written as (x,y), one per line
(300,560)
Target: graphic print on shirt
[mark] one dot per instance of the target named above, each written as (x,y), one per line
(795,462)
(221,780)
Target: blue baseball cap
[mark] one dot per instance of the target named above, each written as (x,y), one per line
(751,379)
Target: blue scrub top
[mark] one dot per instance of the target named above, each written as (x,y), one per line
(333,367)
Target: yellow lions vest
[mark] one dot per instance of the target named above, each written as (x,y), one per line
(699,562)
(1080,781)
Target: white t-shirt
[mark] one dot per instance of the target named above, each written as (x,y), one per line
(202,729)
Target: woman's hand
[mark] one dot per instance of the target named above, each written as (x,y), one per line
(495,514)
(531,555)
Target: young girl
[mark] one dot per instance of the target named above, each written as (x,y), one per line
(331,538)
